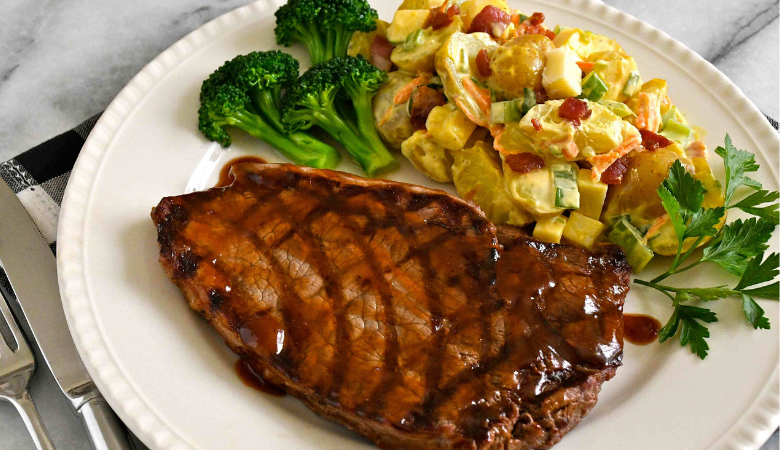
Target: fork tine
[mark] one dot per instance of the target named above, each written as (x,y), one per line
(22,348)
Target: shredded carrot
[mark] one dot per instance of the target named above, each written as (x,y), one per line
(481,97)
(516,18)
(586,66)
(655,228)
(600,163)
(647,117)
(405,92)
(388,114)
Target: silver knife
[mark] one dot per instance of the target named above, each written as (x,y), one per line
(32,270)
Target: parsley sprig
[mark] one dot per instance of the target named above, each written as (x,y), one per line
(738,247)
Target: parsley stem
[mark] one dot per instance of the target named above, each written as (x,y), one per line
(678,260)
(659,287)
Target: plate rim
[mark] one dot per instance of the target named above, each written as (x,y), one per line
(752,430)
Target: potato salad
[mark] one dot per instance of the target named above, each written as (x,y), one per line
(546,127)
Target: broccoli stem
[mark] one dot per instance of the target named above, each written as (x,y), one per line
(314,42)
(365,123)
(319,156)
(365,155)
(266,103)
(342,42)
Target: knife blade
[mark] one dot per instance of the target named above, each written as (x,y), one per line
(32,270)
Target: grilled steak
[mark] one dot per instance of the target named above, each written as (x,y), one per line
(396,310)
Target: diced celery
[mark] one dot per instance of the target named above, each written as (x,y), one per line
(463,61)
(582,230)
(414,39)
(620,109)
(550,230)
(504,112)
(593,87)
(626,236)
(676,131)
(671,113)
(633,84)
(512,110)
(558,29)
(567,195)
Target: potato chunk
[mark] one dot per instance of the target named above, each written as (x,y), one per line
(428,157)
(449,126)
(582,230)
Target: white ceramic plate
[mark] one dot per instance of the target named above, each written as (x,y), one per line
(170,377)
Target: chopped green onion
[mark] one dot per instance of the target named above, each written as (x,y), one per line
(567,194)
(414,39)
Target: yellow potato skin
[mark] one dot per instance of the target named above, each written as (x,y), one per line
(519,64)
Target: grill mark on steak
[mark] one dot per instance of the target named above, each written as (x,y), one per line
(396,310)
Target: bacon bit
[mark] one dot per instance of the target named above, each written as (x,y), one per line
(536,124)
(424,99)
(536,19)
(541,96)
(550,34)
(652,141)
(697,149)
(483,64)
(405,92)
(481,97)
(524,162)
(439,19)
(533,25)
(490,20)
(614,173)
(601,162)
(574,109)
(381,49)
(586,66)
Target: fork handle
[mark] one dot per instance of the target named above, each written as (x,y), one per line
(105,430)
(32,420)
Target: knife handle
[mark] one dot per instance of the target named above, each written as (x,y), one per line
(105,429)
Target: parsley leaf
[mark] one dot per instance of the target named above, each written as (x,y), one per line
(672,207)
(688,191)
(759,271)
(754,313)
(686,319)
(750,205)
(738,163)
(704,221)
(739,241)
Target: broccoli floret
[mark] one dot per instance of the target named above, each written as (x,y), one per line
(323,26)
(318,98)
(245,93)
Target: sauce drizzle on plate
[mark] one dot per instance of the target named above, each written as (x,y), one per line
(640,329)
(224,175)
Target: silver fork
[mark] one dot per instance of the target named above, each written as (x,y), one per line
(16,369)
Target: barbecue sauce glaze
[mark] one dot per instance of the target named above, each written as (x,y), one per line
(252,379)
(472,322)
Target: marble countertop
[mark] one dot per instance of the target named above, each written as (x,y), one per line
(61,62)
